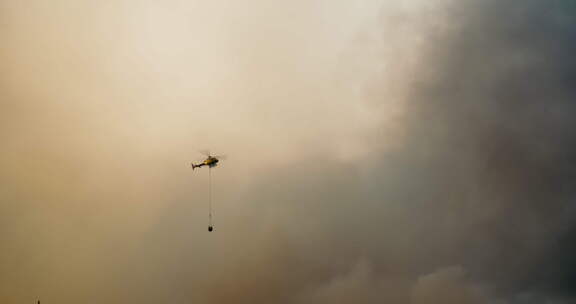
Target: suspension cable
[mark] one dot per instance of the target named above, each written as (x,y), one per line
(209,198)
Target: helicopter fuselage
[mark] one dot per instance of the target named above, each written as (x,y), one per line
(210,162)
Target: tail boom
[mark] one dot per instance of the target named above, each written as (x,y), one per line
(197,166)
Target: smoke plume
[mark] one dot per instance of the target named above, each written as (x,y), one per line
(409,153)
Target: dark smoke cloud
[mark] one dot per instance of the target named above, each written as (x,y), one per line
(494,124)
(482,185)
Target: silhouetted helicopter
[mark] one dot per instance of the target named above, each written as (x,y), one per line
(210,161)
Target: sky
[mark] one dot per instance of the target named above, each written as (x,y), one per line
(402,152)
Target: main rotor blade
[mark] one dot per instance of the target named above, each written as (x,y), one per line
(223,157)
(205,152)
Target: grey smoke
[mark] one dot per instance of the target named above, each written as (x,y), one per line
(483,181)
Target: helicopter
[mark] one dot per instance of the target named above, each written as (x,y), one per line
(210,161)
